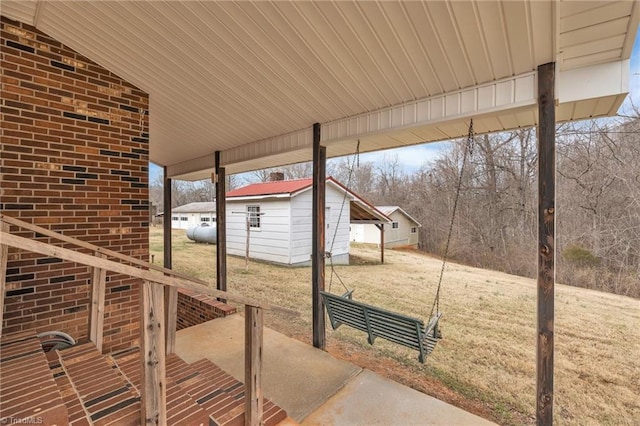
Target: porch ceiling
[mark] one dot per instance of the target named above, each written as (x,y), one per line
(250,78)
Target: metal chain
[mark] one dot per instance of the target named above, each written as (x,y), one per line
(468,151)
(356,160)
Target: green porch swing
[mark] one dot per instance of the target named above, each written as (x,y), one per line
(392,326)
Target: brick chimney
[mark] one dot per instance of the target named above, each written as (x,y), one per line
(276,176)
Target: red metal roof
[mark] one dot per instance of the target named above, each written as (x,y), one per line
(271,188)
(290,187)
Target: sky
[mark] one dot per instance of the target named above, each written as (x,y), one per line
(411,158)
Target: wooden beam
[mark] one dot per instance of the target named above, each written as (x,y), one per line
(96,320)
(154,382)
(253,333)
(221,225)
(4,258)
(318,238)
(546,242)
(86,259)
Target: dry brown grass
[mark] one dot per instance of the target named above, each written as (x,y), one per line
(486,362)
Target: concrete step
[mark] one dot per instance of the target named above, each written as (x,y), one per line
(28,393)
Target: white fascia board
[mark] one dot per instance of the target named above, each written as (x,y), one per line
(506,94)
(509,93)
(408,216)
(257,197)
(290,142)
(193,169)
(328,182)
(595,81)
(436,112)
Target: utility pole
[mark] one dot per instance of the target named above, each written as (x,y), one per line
(248,216)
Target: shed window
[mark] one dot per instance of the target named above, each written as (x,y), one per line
(184,218)
(395,225)
(414,230)
(254,216)
(205,219)
(175,218)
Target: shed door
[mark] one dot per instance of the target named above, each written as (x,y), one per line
(357,233)
(329,229)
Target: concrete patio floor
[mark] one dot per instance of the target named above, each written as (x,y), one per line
(312,386)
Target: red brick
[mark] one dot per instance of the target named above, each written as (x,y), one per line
(38,142)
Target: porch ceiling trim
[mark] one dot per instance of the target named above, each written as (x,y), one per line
(248,79)
(587,92)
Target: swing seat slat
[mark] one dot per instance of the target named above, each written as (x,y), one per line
(376,322)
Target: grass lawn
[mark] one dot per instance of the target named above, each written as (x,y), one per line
(486,361)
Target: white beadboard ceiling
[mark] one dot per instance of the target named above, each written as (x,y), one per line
(250,78)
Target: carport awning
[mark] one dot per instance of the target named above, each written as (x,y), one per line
(249,79)
(365,213)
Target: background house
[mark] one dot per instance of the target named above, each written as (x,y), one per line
(183,217)
(402,231)
(280,220)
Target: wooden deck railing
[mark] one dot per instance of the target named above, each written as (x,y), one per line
(155,343)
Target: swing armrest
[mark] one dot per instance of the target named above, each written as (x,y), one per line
(432,323)
(348,295)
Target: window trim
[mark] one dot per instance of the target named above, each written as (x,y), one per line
(395,225)
(256,218)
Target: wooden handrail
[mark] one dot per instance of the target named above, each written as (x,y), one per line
(109,265)
(64,238)
(182,280)
(152,339)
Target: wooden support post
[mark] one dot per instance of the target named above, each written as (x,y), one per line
(221,226)
(98,287)
(170,293)
(166,221)
(4,258)
(253,366)
(546,242)
(318,238)
(153,392)
(248,241)
(171,318)
(381,228)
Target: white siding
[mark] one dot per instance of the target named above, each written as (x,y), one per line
(181,222)
(192,219)
(400,236)
(271,241)
(301,226)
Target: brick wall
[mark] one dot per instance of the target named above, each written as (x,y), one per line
(74,158)
(194,309)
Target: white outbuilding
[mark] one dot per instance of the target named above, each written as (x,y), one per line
(198,213)
(280,220)
(402,231)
